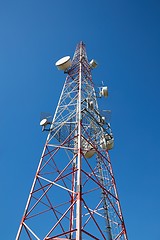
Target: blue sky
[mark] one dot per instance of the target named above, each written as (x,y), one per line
(124,37)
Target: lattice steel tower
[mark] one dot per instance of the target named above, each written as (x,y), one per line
(74,194)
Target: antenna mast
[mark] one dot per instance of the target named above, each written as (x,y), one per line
(74,195)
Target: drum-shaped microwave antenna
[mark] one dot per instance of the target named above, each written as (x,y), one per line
(64,63)
(104,91)
(93,63)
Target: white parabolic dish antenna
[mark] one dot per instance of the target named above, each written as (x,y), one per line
(43,122)
(64,63)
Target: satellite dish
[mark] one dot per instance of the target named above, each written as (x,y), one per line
(110,144)
(107,142)
(90,153)
(93,63)
(104,91)
(88,149)
(43,122)
(64,63)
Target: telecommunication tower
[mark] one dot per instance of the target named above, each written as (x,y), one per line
(74,193)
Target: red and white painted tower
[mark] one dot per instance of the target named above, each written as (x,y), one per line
(74,193)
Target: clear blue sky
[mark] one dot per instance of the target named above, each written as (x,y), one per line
(124,37)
